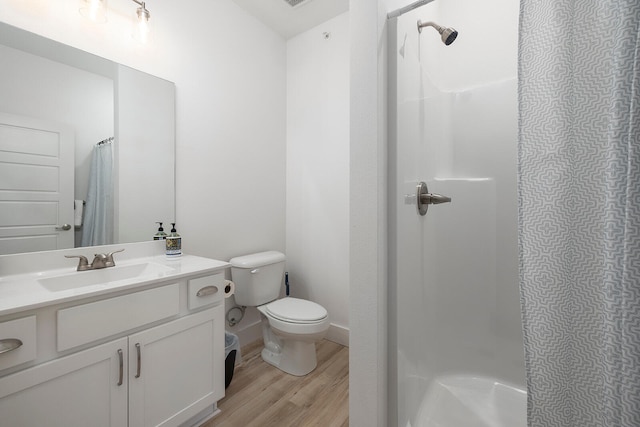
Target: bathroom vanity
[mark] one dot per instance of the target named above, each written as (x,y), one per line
(137,344)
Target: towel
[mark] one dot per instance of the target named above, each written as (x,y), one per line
(78,206)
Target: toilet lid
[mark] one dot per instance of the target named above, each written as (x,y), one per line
(296,310)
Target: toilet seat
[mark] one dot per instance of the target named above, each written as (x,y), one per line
(296,317)
(295,310)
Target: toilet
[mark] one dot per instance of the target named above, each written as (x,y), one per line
(290,326)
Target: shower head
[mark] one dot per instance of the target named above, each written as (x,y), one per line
(448,34)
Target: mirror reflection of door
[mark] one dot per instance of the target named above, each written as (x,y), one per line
(36,185)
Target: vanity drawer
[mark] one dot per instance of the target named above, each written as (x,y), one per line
(17,341)
(85,323)
(206,290)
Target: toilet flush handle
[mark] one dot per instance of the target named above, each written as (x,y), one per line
(254,271)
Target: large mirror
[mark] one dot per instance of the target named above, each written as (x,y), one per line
(54,97)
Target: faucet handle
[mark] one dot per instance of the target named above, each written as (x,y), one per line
(83,263)
(99,261)
(109,261)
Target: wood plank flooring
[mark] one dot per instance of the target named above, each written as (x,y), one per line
(262,396)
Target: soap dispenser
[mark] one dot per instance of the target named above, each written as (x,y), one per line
(160,234)
(174,243)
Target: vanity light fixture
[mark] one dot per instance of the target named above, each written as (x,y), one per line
(96,10)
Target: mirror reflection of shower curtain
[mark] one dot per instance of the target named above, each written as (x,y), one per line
(98,215)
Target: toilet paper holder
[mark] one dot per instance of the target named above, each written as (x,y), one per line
(229,289)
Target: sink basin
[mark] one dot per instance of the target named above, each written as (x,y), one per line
(104,276)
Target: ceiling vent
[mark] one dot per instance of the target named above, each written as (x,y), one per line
(294,3)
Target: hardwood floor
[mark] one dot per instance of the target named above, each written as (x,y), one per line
(262,396)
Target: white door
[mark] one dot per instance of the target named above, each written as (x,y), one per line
(36,185)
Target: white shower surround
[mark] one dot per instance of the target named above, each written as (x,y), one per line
(453,273)
(464,401)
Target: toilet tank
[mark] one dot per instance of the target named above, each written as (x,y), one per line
(258,277)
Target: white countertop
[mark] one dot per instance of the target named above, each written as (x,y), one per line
(26,289)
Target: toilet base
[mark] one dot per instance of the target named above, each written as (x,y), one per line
(293,357)
(291,347)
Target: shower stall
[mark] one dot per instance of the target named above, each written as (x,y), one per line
(455,333)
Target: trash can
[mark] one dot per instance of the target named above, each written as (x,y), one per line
(231,349)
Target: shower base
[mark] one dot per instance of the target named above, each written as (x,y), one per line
(465,401)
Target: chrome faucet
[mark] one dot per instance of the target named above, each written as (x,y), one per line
(99,261)
(83,264)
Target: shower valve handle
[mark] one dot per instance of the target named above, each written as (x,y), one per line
(434,199)
(424,198)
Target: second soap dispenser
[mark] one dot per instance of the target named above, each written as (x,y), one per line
(173,243)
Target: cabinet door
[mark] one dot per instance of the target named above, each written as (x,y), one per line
(176,370)
(83,389)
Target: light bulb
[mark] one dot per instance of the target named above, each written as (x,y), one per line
(141,24)
(94,10)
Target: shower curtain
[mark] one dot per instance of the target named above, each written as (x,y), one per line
(98,214)
(579,210)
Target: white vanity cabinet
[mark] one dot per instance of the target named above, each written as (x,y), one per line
(147,357)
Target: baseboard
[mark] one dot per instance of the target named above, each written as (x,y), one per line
(338,334)
(203,416)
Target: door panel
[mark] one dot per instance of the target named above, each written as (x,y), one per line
(77,390)
(172,369)
(36,184)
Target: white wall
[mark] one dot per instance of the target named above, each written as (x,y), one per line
(318,169)
(367,216)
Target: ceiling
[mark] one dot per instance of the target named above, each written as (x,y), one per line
(289,21)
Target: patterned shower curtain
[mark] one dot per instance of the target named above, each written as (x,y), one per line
(579,210)
(98,214)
